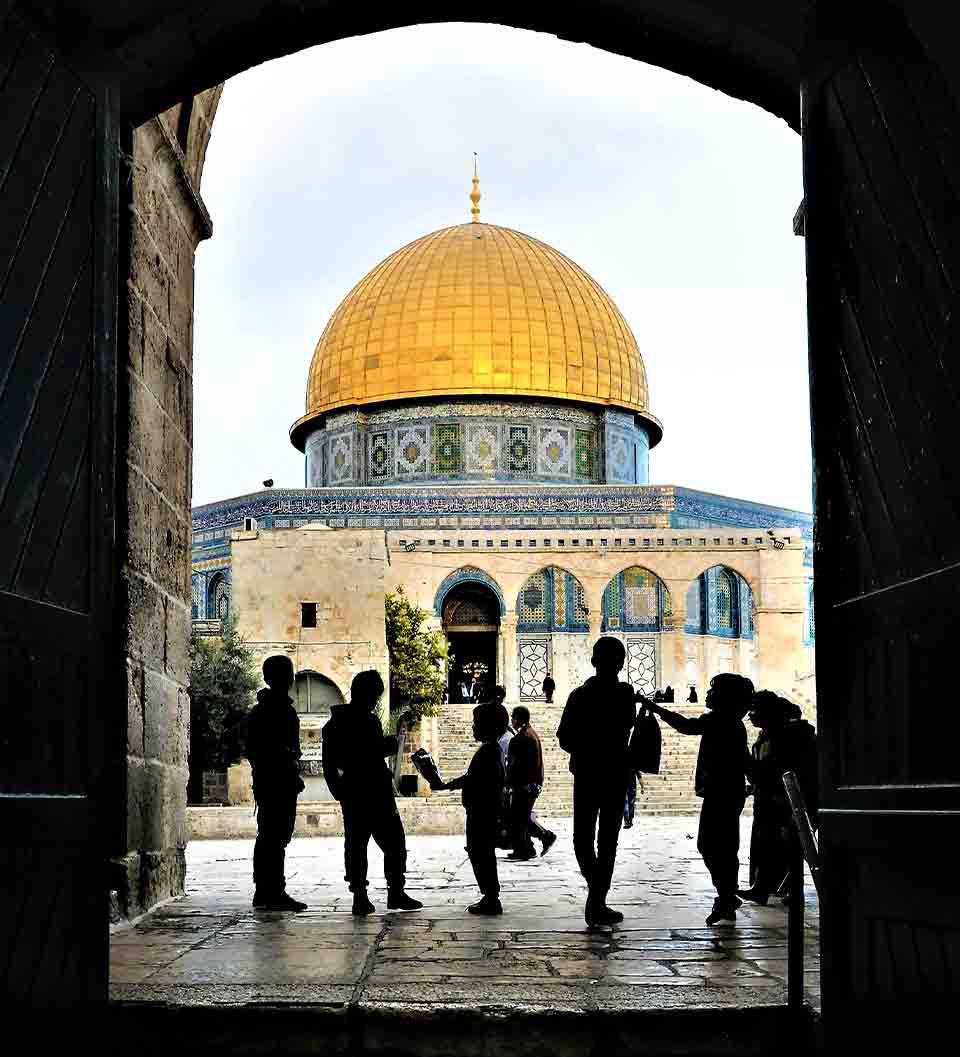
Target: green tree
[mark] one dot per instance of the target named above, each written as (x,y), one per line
(223,678)
(418,658)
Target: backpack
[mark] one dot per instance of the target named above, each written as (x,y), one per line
(645,743)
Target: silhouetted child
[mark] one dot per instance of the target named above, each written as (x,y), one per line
(482,794)
(354,747)
(595,729)
(273,748)
(722,768)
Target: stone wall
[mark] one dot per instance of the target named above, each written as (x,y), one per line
(162,221)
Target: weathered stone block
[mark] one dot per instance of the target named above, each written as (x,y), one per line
(179,466)
(134,745)
(164,719)
(145,432)
(171,548)
(154,356)
(139,528)
(135,325)
(162,875)
(178,642)
(164,804)
(145,619)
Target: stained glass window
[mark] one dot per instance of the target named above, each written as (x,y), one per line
(518,454)
(219,598)
(448,449)
(532,607)
(725,589)
(586,455)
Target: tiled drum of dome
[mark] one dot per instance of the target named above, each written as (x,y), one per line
(586,455)
(553,451)
(380,459)
(341,458)
(518,451)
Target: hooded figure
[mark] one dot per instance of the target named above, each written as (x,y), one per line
(354,747)
(786,743)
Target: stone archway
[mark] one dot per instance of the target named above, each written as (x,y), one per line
(470,618)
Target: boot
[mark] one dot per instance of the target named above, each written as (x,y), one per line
(489,905)
(362,906)
(722,911)
(399,900)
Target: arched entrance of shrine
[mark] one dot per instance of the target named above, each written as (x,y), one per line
(471,621)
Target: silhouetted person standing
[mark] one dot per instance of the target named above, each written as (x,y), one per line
(354,747)
(273,749)
(525,780)
(786,743)
(722,766)
(482,794)
(549,688)
(595,730)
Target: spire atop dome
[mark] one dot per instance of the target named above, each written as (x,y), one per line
(475,193)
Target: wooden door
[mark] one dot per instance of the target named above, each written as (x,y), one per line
(882,183)
(57,396)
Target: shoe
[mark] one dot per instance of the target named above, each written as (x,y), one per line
(599,915)
(362,906)
(755,896)
(489,905)
(278,902)
(401,901)
(521,856)
(721,913)
(628,825)
(785,900)
(548,842)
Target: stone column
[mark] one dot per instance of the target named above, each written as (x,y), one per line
(673,640)
(508,674)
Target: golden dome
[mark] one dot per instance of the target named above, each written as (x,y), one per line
(476,310)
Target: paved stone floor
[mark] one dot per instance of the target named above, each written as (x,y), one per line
(212,947)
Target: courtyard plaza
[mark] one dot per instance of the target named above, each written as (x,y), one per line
(210,947)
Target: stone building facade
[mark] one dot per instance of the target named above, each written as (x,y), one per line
(477,409)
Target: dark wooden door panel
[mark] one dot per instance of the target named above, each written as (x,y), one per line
(57,472)
(881,144)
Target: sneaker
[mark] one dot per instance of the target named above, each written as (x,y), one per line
(362,906)
(721,913)
(521,856)
(489,905)
(754,895)
(401,901)
(278,902)
(548,842)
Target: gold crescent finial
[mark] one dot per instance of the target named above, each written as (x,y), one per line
(475,193)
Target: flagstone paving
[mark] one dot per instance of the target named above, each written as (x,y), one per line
(212,947)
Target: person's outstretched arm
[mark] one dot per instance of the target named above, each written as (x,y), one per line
(680,723)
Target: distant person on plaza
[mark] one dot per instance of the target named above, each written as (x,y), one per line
(548,687)
(692,696)
(658,695)
(525,781)
(273,749)
(786,743)
(668,695)
(354,747)
(722,766)
(630,800)
(482,788)
(595,730)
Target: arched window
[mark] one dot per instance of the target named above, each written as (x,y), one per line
(218,598)
(471,605)
(728,609)
(552,600)
(196,601)
(635,600)
(726,592)
(315,694)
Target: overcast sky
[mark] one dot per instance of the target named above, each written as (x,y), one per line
(677,199)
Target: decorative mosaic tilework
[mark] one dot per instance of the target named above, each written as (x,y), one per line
(197,596)
(620,457)
(640,597)
(518,451)
(340,458)
(810,632)
(642,665)
(586,454)
(534,658)
(412,451)
(553,450)
(612,603)
(380,455)
(406,413)
(694,619)
(315,461)
(580,612)
(533,602)
(724,601)
(447,449)
(483,446)
(559,599)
